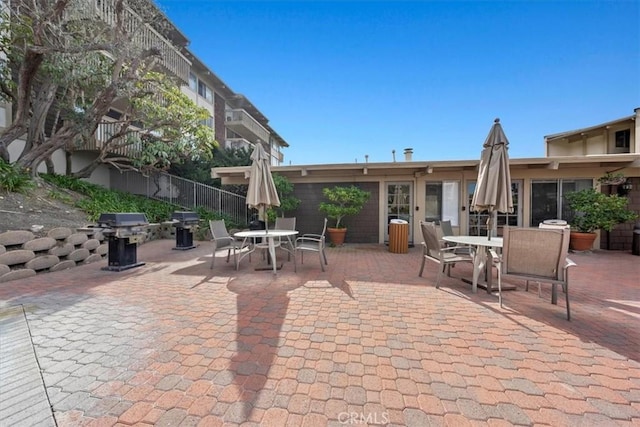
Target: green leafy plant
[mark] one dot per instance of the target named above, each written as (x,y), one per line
(100,200)
(343,201)
(288,202)
(593,210)
(13,179)
(59,195)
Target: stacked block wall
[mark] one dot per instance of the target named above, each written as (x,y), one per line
(23,254)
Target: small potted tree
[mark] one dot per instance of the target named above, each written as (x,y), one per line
(343,201)
(594,211)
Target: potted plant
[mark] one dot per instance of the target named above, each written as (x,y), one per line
(343,201)
(595,211)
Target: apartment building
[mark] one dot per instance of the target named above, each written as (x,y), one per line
(236,121)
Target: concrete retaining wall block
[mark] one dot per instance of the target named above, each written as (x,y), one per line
(41,244)
(17,274)
(42,262)
(79,255)
(19,256)
(77,239)
(63,265)
(92,258)
(60,233)
(17,237)
(91,244)
(63,249)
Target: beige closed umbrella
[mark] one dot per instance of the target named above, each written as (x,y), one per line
(493,189)
(262,193)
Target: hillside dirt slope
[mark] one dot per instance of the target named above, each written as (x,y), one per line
(40,209)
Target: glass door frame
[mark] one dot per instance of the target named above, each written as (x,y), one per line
(399,209)
(476,221)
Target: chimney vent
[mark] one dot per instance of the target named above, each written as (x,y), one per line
(407,154)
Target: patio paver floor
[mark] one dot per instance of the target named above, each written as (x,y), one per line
(367,342)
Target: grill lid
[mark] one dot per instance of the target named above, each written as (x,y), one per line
(121,219)
(184,216)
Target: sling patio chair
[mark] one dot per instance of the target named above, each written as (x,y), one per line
(310,242)
(535,254)
(444,256)
(223,240)
(447,230)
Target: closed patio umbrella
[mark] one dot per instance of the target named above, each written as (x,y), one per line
(262,192)
(493,189)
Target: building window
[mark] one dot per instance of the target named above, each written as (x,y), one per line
(193,82)
(548,201)
(478,220)
(207,122)
(114,114)
(623,140)
(204,91)
(442,202)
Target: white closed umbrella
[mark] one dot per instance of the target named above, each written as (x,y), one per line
(493,189)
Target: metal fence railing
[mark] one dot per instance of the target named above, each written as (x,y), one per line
(182,192)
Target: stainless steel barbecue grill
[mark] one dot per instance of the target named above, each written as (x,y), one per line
(185,223)
(123,232)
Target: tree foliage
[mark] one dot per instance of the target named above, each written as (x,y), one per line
(288,202)
(64,68)
(343,201)
(593,210)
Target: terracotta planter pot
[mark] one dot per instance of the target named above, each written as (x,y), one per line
(336,235)
(581,241)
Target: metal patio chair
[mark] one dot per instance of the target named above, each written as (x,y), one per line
(535,254)
(310,242)
(434,251)
(223,240)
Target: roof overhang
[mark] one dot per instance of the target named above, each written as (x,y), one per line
(590,131)
(239,174)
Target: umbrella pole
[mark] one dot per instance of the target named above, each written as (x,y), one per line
(491,221)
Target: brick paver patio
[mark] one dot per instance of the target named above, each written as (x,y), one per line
(368,342)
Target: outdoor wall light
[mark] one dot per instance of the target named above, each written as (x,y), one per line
(628,186)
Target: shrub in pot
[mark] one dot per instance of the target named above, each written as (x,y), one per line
(342,201)
(594,211)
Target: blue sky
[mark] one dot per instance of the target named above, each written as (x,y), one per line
(339,80)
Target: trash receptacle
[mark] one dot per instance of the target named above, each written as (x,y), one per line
(635,243)
(398,236)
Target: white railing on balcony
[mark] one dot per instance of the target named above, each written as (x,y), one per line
(239,121)
(143,34)
(188,194)
(127,145)
(238,143)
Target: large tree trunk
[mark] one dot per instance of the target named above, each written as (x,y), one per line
(41,107)
(26,75)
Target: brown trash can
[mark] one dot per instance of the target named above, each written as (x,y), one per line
(399,237)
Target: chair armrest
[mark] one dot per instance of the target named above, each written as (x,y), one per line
(315,236)
(310,238)
(494,254)
(471,250)
(568,263)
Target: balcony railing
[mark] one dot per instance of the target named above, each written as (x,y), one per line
(143,34)
(127,145)
(243,124)
(237,143)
